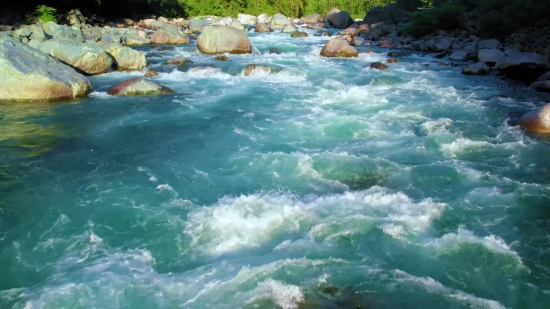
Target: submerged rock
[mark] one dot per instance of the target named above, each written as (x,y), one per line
(221,58)
(479,68)
(298,34)
(378,66)
(392,60)
(139,86)
(28,74)
(538,120)
(177,61)
(223,39)
(150,73)
(254,69)
(126,58)
(338,47)
(87,58)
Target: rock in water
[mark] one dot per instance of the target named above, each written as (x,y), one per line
(223,39)
(378,66)
(177,61)
(479,68)
(221,58)
(168,36)
(491,56)
(139,86)
(289,29)
(279,21)
(254,69)
(261,27)
(298,34)
(338,47)
(126,58)
(87,58)
(542,86)
(28,74)
(524,66)
(537,120)
(392,60)
(151,73)
(340,20)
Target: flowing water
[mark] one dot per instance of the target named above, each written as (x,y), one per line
(325,185)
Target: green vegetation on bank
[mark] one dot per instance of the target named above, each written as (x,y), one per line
(43,13)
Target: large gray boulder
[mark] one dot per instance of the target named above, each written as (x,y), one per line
(75,17)
(139,86)
(126,58)
(459,55)
(441,45)
(340,48)
(488,44)
(196,25)
(541,86)
(264,18)
(340,20)
(479,68)
(223,39)
(168,37)
(29,74)
(537,120)
(289,29)
(87,58)
(247,19)
(56,31)
(279,21)
(524,66)
(490,56)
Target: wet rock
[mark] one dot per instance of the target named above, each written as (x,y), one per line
(87,58)
(29,74)
(330,290)
(357,41)
(479,68)
(177,61)
(394,54)
(490,56)
(350,31)
(317,26)
(278,21)
(139,86)
(261,27)
(442,45)
(274,50)
(289,29)
(392,60)
(264,18)
(538,120)
(313,18)
(168,37)
(488,44)
(338,47)
(221,58)
(326,34)
(153,55)
(247,19)
(254,69)
(459,55)
(126,58)
(378,66)
(135,40)
(541,86)
(524,66)
(299,34)
(223,39)
(340,20)
(150,73)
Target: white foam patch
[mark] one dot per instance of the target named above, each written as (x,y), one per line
(463,146)
(432,286)
(437,126)
(100,94)
(285,295)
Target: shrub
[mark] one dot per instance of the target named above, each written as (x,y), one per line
(43,13)
(423,22)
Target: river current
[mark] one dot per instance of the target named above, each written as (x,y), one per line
(325,185)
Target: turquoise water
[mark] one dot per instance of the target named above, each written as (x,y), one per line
(326,185)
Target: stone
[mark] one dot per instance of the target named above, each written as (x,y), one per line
(264,18)
(28,74)
(357,41)
(350,31)
(340,20)
(392,60)
(338,47)
(378,66)
(166,36)
(442,45)
(490,56)
(376,33)
(75,17)
(56,31)
(132,40)
(221,58)
(537,121)
(545,76)
(177,61)
(479,68)
(247,19)
(87,58)
(197,25)
(162,19)
(139,86)
(261,27)
(488,44)
(313,18)
(238,25)
(126,58)
(327,15)
(150,73)
(541,86)
(278,21)
(289,29)
(317,26)
(254,69)
(459,55)
(223,39)
(524,66)
(298,34)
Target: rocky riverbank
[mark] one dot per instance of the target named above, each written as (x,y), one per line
(91,46)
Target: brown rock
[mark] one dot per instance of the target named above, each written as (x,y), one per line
(150,73)
(537,120)
(177,61)
(338,47)
(139,86)
(378,66)
(221,58)
(392,60)
(261,27)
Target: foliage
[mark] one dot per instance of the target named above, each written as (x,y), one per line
(446,16)
(43,13)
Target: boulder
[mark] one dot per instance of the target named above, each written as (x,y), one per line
(28,33)
(541,86)
(278,21)
(87,58)
(490,56)
(254,69)
(28,74)
(350,31)
(135,40)
(538,120)
(340,20)
(150,73)
(378,66)
(488,44)
(392,60)
(376,33)
(247,19)
(264,18)
(317,26)
(524,66)
(479,68)
(261,27)
(221,58)
(238,25)
(139,86)
(166,36)
(313,18)
(441,45)
(75,17)
(338,47)
(126,58)
(177,61)
(299,34)
(545,76)
(327,15)
(288,29)
(56,31)
(459,55)
(162,19)
(223,39)
(357,41)
(196,25)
